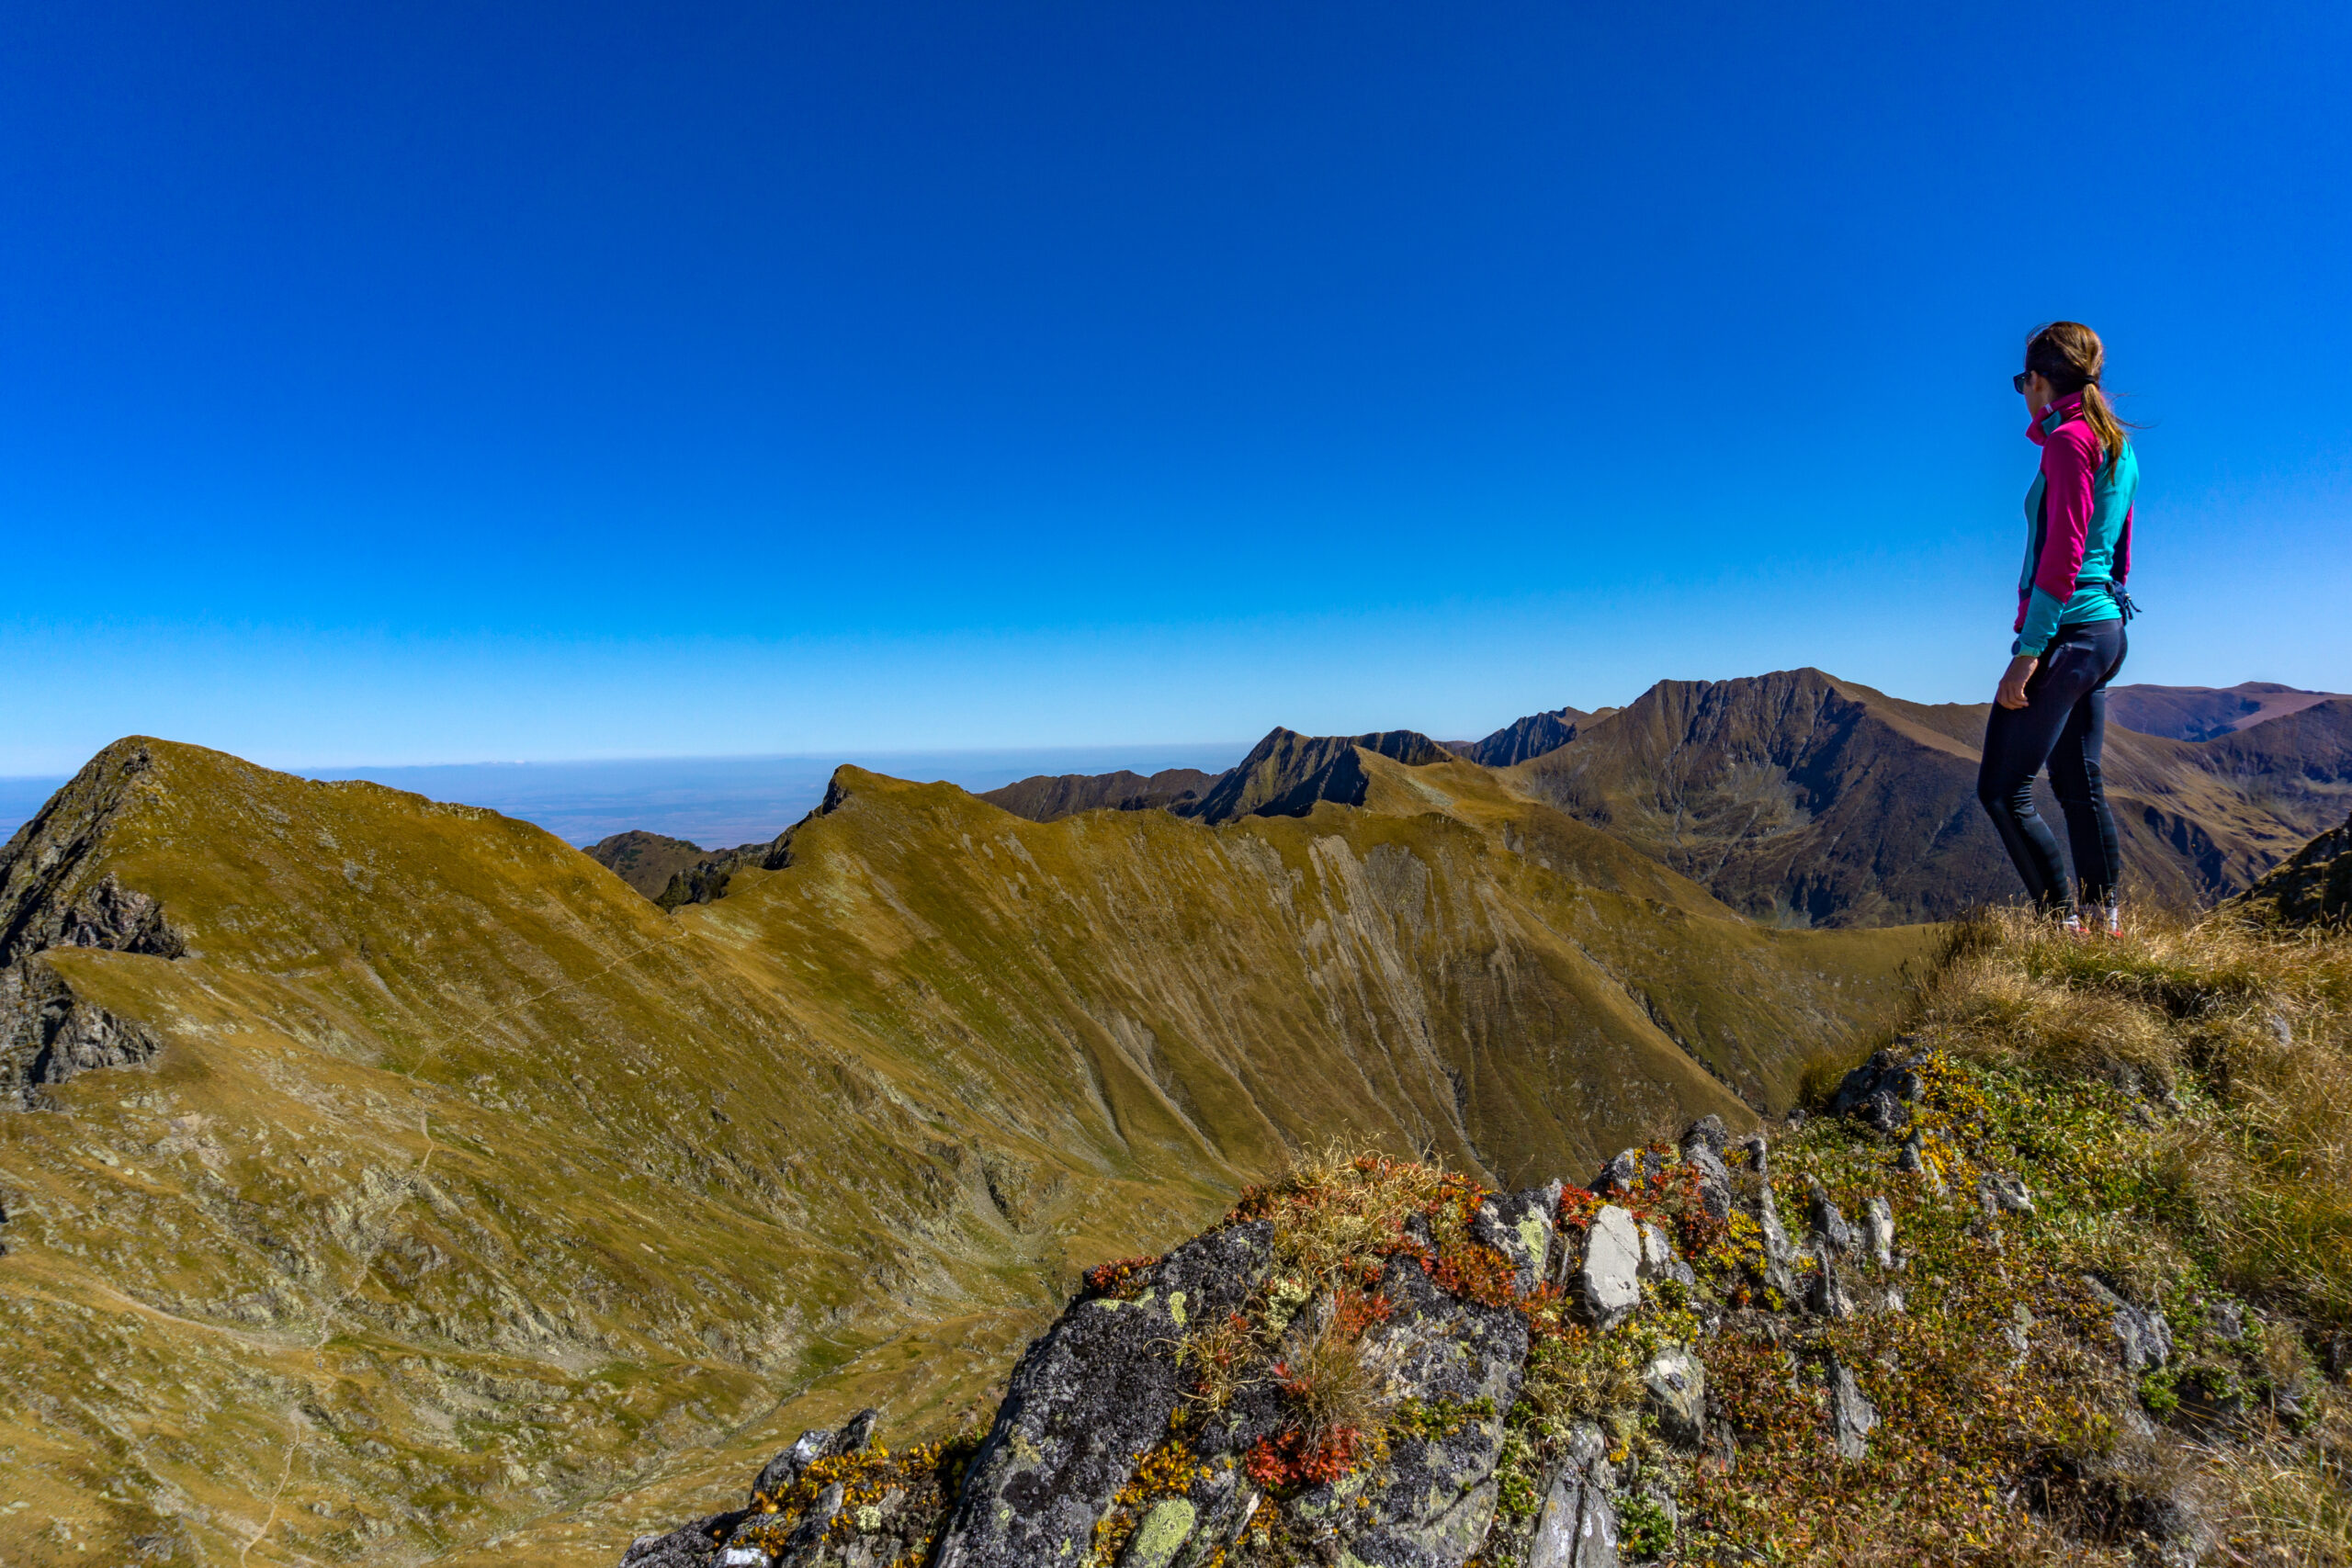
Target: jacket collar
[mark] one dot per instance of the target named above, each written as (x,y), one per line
(2057,413)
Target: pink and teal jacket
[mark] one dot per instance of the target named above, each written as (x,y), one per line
(2078,528)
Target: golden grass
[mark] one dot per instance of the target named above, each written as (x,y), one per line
(2287,1504)
(2254,1029)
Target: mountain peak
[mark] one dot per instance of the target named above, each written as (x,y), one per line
(1285,774)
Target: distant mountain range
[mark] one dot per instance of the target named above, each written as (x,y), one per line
(1801,799)
(2202,713)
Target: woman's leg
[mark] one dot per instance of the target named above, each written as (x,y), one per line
(2013,756)
(2074,777)
(2017,742)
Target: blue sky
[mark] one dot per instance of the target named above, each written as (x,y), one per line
(429,383)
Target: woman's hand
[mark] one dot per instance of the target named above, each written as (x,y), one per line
(2013,680)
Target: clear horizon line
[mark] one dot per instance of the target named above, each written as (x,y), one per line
(837,755)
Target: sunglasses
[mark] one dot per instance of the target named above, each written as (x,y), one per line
(2020,379)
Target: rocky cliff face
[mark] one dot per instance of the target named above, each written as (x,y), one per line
(55,895)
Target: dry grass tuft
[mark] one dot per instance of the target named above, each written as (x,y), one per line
(1333,1389)
(1221,1358)
(2287,1505)
(2255,1027)
(1337,1207)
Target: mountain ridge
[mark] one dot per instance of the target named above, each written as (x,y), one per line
(1726,781)
(466,1191)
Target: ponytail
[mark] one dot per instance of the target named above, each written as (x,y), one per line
(2100,415)
(2069,355)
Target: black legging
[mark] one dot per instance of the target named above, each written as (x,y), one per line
(2063,723)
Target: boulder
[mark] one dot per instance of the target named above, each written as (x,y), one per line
(1086,1401)
(1826,1292)
(1577,1526)
(1998,1191)
(1702,1151)
(1520,1225)
(1912,1159)
(1662,1260)
(2143,1337)
(1879,1092)
(1778,1253)
(1432,1502)
(1626,1171)
(1610,1278)
(1851,1414)
(1878,1232)
(1677,1383)
(777,1477)
(1830,1230)
(695,1545)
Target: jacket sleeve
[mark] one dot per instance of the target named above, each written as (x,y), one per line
(2069,464)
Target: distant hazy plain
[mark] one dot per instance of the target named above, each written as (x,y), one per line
(713,801)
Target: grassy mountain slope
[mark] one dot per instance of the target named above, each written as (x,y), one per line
(471,1193)
(2058,1278)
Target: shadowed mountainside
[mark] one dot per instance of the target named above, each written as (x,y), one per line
(2201,713)
(401,1177)
(1048,797)
(1523,740)
(1286,774)
(646,860)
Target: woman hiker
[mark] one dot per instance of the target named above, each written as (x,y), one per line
(2051,705)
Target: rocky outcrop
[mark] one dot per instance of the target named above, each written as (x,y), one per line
(1092,1399)
(50,892)
(49,1035)
(1378,1366)
(706,881)
(51,896)
(1880,1091)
